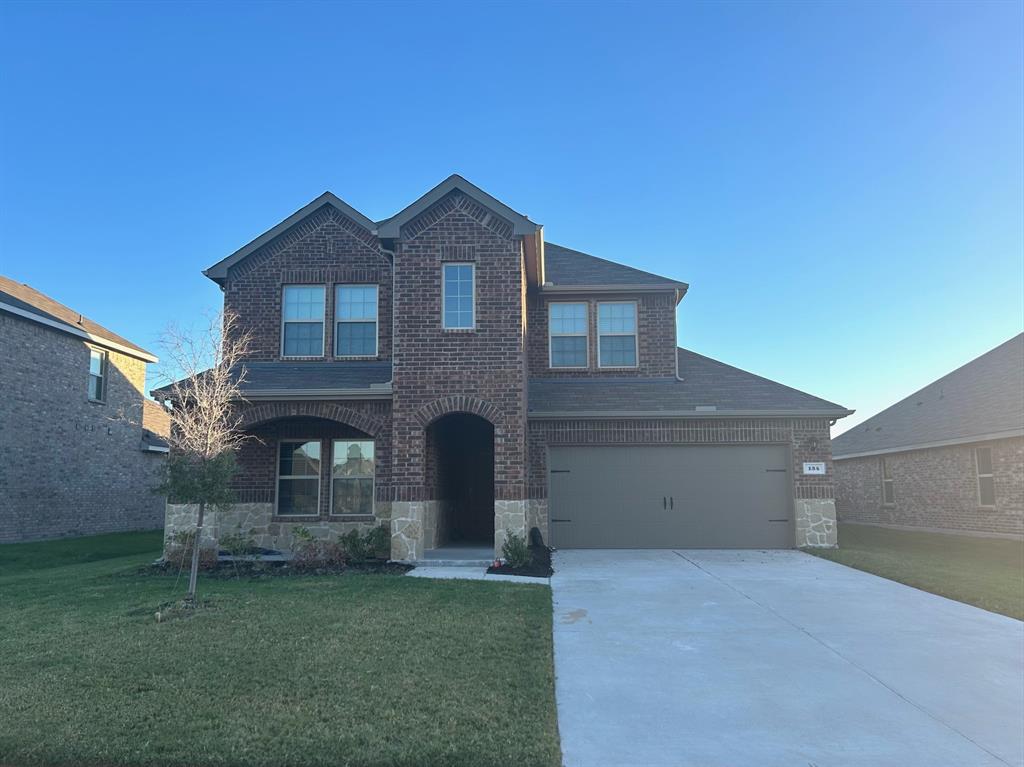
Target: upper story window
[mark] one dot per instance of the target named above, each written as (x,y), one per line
(355,319)
(302,320)
(458,296)
(567,335)
(97,375)
(888,485)
(986,478)
(616,334)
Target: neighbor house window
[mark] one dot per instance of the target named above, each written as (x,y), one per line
(567,335)
(298,478)
(457,295)
(986,481)
(352,477)
(888,487)
(302,334)
(616,334)
(355,318)
(97,374)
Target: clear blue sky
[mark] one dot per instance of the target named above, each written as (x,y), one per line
(842,185)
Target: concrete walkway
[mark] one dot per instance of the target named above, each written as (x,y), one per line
(728,658)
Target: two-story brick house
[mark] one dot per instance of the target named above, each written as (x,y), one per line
(449,374)
(80,446)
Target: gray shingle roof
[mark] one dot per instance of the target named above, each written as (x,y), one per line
(980,400)
(28,299)
(567,267)
(712,386)
(312,376)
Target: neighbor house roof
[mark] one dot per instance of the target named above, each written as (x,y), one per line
(24,301)
(707,388)
(982,400)
(269,380)
(568,268)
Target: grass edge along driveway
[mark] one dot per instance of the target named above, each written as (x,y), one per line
(343,670)
(984,572)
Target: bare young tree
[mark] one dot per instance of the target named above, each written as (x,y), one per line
(206,378)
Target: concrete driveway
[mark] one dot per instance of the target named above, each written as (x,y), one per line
(738,658)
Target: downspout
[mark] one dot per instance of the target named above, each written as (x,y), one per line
(675,326)
(394,313)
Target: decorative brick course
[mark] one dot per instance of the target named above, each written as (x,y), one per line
(935,488)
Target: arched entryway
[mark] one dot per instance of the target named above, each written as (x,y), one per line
(461,462)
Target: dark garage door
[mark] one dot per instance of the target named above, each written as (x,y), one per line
(731,497)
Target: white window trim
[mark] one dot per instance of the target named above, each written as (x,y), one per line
(635,334)
(585,334)
(279,477)
(472,268)
(376,321)
(882,465)
(330,475)
(323,322)
(978,477)
(104,375)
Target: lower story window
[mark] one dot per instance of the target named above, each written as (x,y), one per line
(888,485)
(986,478)
(298,478)
(352,472)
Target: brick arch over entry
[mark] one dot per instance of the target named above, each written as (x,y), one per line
(331,411)
(460,403)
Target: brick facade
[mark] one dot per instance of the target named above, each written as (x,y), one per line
(656,338)
(935,488)
(70,466)
(482,371)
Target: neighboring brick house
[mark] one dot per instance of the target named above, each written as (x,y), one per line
(433,371)
(948,457)
(79,444)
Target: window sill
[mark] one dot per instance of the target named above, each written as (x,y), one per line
(301,359)
(459,330)
(296,518)
(353,517)
(92,401)
(357,357)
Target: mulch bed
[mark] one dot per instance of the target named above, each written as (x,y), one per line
(255,570)
(539,567)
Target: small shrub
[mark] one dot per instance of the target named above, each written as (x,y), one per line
(378,542)
(312,553)
(515,551)
(178,551)
(238,544)
(354,545)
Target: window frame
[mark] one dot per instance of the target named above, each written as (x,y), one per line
(444,291)
(886,472)
(586,335)
(978,476)
(278,478)
(635,334)
(376,320)
(104,368)
(373,478)
(323,322)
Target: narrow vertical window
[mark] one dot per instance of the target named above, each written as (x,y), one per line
(298,478)
(352,472)
(986,479)
(458,295)
(567,335)
(888,486)
(355,317)
(302,317)
(616,334)
(97,375)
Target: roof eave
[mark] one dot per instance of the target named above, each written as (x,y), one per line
(141,354)
(679,287)
(689,414)
(989,437)
(383,392)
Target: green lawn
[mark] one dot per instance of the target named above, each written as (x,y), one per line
(350,670)
(985,572)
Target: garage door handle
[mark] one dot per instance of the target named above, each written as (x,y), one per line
(671,501)
(664,502)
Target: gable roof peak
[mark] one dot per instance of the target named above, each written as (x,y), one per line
(521,224)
